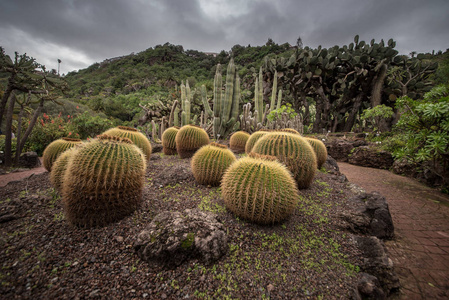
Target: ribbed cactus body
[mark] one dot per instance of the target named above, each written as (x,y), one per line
(320,151)
(59,168)
(259,190)
(238,140)
(168,141)
(103,182)
(138,138)
(210,162)
(292,150)
(289,130)
(189,139)
(253,139)
(55,148)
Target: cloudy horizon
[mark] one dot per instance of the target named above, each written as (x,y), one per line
(82,32)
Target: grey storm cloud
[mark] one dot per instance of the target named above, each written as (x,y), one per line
(81,32)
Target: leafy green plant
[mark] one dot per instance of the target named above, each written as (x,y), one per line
(277,113)
(376,114)
(87,125)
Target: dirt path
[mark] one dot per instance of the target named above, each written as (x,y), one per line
(420,214)
(6,178)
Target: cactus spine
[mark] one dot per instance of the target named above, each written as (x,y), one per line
(320,151)
(238,140)
(210,162)
(253,139)
(138,138)
(259,189)
(168,141)
(55,148)
(189,139)
(59,168)
(103,182)
(292,150)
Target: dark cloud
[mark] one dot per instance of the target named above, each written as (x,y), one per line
(80,32)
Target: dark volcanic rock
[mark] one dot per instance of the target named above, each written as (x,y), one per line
(174,237)
(331,165)
(29,160)
(368,287)
(156,148)
(340,149)
(368,157)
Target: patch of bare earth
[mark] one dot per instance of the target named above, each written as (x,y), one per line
(42,257)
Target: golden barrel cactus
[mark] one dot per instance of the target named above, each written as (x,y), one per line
(253,139)
(59,168)
(168,141)
(238,140)
(103,182)
(210,162)
(292,150)
(55,148)
(259,189)
(320,151)
(138,138)
(189,139)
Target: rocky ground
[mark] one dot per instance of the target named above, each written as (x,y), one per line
(307,256)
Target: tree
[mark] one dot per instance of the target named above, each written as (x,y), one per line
(27,77)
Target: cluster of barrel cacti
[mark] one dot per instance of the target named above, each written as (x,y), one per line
(138,138)
(56,148)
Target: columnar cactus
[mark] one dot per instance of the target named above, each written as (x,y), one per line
(210,162)
(189,139)
(59,168)
(55,148)
(238,140)
(253,139)
(168,141)
(259,189)
(138,138)
(292,150)
(103,182)
(320,151)
(186,98)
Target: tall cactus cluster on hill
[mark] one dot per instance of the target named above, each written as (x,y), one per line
(210,162)
(103,181)
(56,148)
(139,139)
(259,189)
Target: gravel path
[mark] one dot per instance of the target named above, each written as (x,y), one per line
(420,214)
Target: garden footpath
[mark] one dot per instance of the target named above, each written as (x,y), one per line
(13,176)
(420,250)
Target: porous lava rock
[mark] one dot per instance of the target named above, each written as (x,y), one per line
(173,238)
(366,156)
(29,160)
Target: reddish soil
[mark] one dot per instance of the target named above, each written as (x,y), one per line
(420,214)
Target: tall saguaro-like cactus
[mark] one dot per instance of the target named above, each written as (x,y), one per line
(226,105)
(185,103)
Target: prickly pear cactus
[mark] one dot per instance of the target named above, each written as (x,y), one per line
(138,138)
(210,162)
(320,151)
(55,148)
(59,168)
(253,139)
(168,141)
(259,189)
(189,139)
(292,150)
(238,140)
(103,182)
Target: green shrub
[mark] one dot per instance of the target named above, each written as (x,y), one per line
(87,125)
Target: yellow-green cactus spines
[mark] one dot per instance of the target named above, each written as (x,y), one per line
(290,130)
(138,138)
(103,182)
(210,162)
(292,150)
(189,139)
(259,189)
(59,168)
(238,140)
(55,148)
(254,137)
(168,141)
(320,151)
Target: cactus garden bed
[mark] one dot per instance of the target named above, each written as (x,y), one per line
(307,256)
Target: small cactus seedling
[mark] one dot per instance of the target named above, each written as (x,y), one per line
(59,168)
(292,150)
(138,138)
(103,182)
(238,140)
(253,139)
(210,162)
(320,151)
(55,148)
(168,141)
(259,189)
(189,139)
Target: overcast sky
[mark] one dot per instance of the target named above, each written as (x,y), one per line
(82,32)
